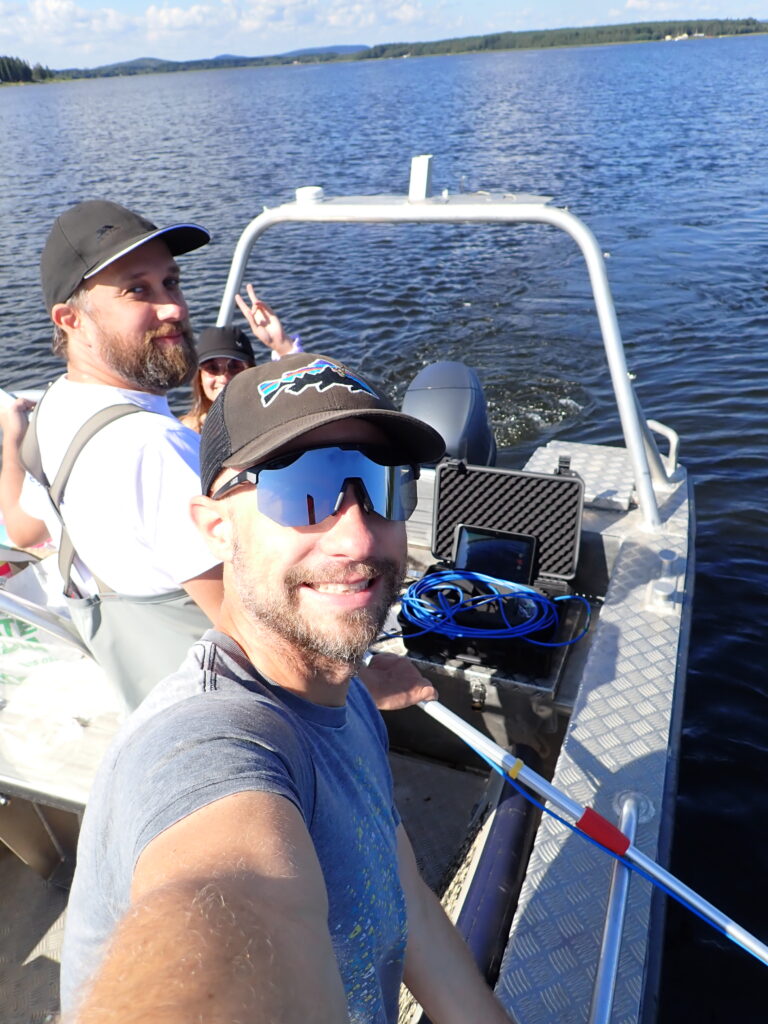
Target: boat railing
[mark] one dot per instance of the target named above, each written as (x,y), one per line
(674,444)
(664,471)
(312,206)
(610,945)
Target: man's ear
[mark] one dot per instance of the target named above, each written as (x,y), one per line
(212,521)
(65,316)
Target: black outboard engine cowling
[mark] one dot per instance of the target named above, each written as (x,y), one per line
(449,397)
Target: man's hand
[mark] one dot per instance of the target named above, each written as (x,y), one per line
(14,420)
(264,323)
(394,682)
(23,530)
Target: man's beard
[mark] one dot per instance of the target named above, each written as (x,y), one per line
(150,366)
(351,633)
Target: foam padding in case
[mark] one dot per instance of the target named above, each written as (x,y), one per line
(546,506)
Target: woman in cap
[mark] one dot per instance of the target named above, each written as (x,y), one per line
(223,352)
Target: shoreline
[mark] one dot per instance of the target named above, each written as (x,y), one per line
(248,63)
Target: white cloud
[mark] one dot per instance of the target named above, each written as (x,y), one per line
(274,16)
(60,24)
(406,13)
(657,6)
(162,21)
(351,16)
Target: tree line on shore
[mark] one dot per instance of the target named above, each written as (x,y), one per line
(13,69)
(648,31)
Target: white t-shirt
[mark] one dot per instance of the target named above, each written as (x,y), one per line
(126,504)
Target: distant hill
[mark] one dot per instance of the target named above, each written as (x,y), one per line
(139,66)
(311,51)
(147,65)
(340,51)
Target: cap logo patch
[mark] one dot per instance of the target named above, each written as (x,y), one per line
(320,374)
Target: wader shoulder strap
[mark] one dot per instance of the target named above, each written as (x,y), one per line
(32,461)
(29,453)
(89,429)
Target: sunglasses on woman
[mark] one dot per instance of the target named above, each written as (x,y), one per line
(220,367)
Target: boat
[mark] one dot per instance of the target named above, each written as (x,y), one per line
(605,533)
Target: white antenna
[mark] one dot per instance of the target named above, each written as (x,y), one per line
(421,178)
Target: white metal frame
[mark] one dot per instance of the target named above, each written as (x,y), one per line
(311,206)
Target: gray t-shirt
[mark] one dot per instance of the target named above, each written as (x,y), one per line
(217,727)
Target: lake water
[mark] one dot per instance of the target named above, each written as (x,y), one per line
(662,149)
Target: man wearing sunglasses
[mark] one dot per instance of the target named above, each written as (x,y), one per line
(141,585)
(241,852)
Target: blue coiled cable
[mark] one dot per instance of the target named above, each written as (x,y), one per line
(432,603)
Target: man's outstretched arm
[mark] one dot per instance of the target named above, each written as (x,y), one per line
(228,921)
(439,968)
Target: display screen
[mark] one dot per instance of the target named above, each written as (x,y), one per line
(506,556)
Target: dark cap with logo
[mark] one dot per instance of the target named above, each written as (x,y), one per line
(88,237)
(268,406)
(224,343)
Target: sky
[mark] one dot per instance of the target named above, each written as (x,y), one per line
(87,33)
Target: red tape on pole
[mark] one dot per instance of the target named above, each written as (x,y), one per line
(602,831)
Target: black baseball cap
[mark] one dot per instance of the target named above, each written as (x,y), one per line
(91,235)
(224,342)
(267,406)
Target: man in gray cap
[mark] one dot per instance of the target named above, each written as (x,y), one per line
(241,856)
(111,468)
(111,287)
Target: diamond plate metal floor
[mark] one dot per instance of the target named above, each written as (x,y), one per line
(617,742)
(606,472)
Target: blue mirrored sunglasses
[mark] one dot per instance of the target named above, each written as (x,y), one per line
(301,489)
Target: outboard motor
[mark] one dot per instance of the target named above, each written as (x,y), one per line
(449,397)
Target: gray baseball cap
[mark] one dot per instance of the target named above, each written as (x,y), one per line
(91,235)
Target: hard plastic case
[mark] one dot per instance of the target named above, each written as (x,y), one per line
(546,506)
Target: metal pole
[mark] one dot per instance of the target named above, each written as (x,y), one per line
(601,831)
(610,947)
